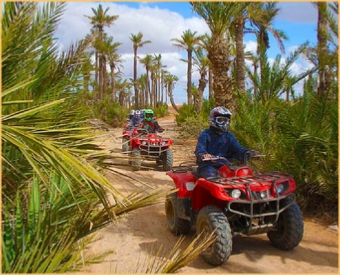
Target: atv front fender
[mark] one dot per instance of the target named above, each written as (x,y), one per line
(184,181)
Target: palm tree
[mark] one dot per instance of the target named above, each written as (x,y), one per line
(86,70)
(188,42)
(153,78)
(276,79)
(202,63)
(323,55)
(115,63)
(237,33)
(114,59)
(159,66)
(205,44)
(141,84)
(147,61)
(261,17)
(99,21)
(123,88)
(169,81)
(137,43)
(218,16)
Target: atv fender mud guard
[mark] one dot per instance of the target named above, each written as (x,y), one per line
(184,208)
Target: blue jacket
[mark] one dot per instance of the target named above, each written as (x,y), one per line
(134,122)
(223,145)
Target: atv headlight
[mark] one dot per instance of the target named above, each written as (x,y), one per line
(163,143)
(236,193)
(144,142)
(279,188)
(190,186)
(282,188)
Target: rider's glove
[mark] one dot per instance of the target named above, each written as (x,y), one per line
(252,153)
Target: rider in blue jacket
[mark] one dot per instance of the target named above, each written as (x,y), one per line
(217,141)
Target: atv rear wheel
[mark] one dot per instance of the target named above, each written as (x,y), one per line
(289,227)
(176,225)
(136,162)
(211,218)
(167,159)
(125,145)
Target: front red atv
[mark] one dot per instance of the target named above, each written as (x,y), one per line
(150,146)
(235,202)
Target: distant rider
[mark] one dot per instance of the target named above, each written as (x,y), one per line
(132,113)
(135,120)
(150,124)
(217,141)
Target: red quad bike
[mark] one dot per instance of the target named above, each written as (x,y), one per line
(236,202)
(150,146)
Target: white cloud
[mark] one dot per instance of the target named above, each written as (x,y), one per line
(251,46)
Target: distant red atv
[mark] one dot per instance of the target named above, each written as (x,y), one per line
(236,202)
(148,146)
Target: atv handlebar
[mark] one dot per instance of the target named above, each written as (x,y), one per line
(247,157)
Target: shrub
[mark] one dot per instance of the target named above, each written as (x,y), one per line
(161,110)
(185,112)
(193,126)
(111,113)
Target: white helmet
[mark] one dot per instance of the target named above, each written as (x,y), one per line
(132,112)
(220,118)
(137,114)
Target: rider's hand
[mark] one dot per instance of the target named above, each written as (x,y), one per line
(253,153)
(206,156)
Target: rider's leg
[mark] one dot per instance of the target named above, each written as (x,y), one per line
(207,171)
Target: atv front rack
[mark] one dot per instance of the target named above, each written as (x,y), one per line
(255,205)
(257,199)
(265,177)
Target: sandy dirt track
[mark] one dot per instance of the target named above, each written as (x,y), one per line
(141,233)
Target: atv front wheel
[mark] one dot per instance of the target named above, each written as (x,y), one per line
(167,159)
(210,219)
(176,225)
(289,228)
(136,162)
(125,145)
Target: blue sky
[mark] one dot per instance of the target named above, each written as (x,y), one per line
(162,21)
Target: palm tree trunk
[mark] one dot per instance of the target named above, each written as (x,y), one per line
(96,68)
(189,77)
(322,49)
(240,71)
(135,78)
(211,91)
(172,98)
(199,98)
(222,84)
(105,76)
(255,84)
(113,95)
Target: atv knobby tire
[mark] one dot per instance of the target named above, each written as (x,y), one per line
(176,225)
(211,218)
(136,162)
(125,145)
(167,160)
(289,227)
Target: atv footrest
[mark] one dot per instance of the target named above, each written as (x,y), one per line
(259,229)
